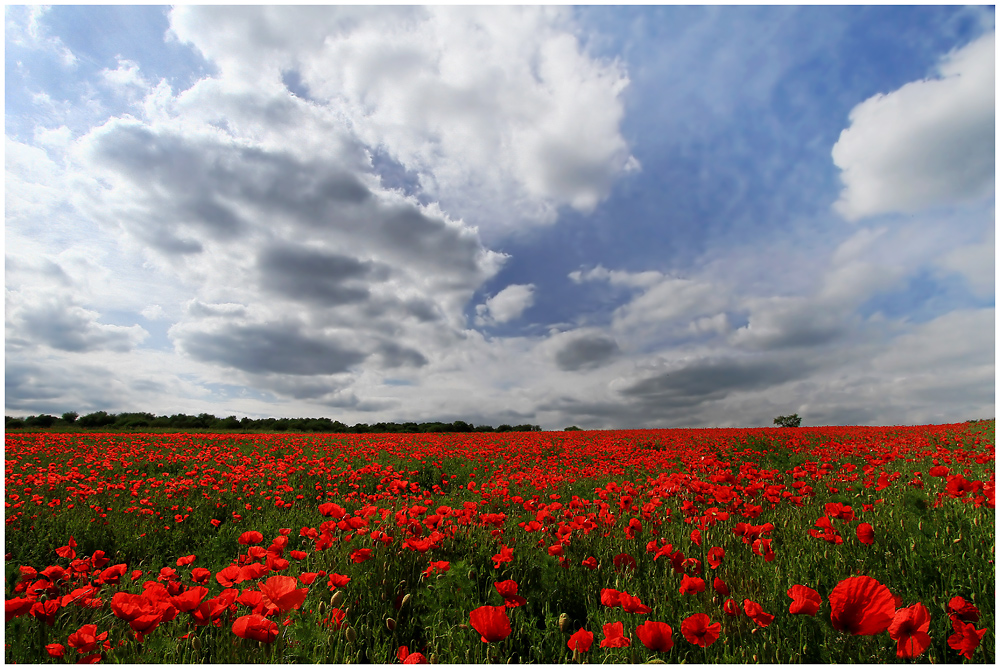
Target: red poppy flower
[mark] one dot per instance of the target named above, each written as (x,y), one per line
(55,650)
(696,537)
(731,608)
(406,657)
(491,622)
(227,577)
(860,605)
(17,607)
(298,555)
(756,612)
(200,575)
(86,638)
(360,555)
(98,559)
(282,592)
(655,636)
(332,510)
(720,586)
(45,611)
(632,604)
(336,618)
(190,599)
(67,550)
(185,561)
(256,627)
(590,563)
(866,534)
(715,555)
(966,637)
(338,581)
(614,636)
(250,537)
(508,590)
(805,600)
(556,550)
(700,630)
(505,555)
(909,630)
(962,610)
(581,641)
(610,597)
(624,561)
(691,585)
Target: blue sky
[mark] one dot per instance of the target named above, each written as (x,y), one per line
(603,216)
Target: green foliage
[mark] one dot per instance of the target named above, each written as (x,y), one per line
(788,421)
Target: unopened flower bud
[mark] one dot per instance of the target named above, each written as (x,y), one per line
(196,643)
(563,622)
(351,634)
(337,599)
(390,624)
(407,597)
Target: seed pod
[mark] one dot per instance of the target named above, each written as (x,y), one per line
(196,644)
(351,634)
(563,622)
(390,624)
(337,599)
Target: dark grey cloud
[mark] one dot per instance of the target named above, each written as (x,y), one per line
(194,187)
(271,348)
(307,274)
(64,326)
(395,355)
(713,379)
(588,352)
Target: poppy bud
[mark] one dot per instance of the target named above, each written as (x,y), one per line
(337,599)
(463,626)
(402,585)
(196,643)
(321,609)
(382,596)
(472,574)
(440,576)
(563,622)
(433,659)
(390,624)
(351,634)
(407,597)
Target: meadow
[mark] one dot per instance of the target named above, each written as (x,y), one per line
(772,545)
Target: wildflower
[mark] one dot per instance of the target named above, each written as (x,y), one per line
(909,630)
(614,636)
(655,636)
(862,606)
(699,630)
(805,600)
(491,622)
(581,641)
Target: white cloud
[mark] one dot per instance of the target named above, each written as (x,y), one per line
(506,305)
(498,111)
(930,142)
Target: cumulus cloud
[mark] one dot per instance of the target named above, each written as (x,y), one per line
(60,324)
(506,305)
(499,112)
(584,350)
(930,142)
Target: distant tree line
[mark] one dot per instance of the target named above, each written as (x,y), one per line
(101,420)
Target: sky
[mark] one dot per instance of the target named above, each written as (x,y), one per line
(608,217)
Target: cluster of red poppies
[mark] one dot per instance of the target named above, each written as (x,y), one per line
(513,488)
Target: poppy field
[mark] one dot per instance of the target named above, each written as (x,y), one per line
(773,545)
